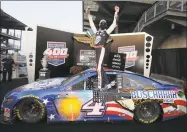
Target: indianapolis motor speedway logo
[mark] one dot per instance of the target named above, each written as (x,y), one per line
(131,55)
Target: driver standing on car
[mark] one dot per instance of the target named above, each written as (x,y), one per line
(101,37)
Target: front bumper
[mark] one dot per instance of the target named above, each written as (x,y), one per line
(4,119)
(2,111)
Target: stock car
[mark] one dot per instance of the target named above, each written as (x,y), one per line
(77,98)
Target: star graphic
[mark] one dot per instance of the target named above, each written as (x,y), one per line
(45,101)
(52,117)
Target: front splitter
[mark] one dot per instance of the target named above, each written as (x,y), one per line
(7,121)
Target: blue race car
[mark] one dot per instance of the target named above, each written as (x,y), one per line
(77,98)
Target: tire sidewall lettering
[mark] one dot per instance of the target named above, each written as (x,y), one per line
(18,114)
(145,121)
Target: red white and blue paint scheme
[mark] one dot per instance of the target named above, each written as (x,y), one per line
(76,98)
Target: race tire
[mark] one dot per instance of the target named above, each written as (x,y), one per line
(30,114)
(153,112)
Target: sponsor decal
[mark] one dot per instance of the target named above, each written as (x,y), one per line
(166,101)
(131,55)
(149,122)
(154,94)
(89,40)
(87,58)
(7,112)
(181,94)
(97,40)
(30,96)
(42,84)
(56,53)
(116,61)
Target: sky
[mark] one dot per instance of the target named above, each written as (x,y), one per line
(62,15)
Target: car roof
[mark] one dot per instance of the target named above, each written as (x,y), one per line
(111,70)
(126,71)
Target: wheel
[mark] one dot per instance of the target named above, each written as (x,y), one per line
(30,110)
(147,112)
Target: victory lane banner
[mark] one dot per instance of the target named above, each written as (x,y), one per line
(56,53)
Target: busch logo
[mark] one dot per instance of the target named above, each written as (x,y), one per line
(56,53)
(131,55)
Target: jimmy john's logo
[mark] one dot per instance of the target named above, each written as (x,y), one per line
(131,55)
(56,53)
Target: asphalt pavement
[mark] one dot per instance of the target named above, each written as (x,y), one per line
(175,125)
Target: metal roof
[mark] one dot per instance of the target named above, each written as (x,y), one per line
(10,22)
(7,36)
(144,1)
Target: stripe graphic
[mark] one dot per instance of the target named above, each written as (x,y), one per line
(170,111)
(99,67)
(114,108)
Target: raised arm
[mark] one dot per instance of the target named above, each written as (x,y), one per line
(114,23)
(92,25)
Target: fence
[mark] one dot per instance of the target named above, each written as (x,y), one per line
(159,8)
(11,45)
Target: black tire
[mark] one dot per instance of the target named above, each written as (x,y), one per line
(30,110)
(147,112)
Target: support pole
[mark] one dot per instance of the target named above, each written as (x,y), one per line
(20,39)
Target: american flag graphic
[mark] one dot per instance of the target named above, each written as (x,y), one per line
(114,108)
(170,111)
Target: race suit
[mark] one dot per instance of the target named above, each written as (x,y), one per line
(101,37)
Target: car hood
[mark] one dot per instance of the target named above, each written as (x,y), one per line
(41,85)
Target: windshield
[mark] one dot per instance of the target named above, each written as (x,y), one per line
(72,78)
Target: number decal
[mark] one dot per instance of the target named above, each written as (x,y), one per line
(132,54)
(93,109)
(56,51)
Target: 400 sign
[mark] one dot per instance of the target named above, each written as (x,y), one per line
(56,53)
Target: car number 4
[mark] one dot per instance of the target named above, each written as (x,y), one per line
(93,109)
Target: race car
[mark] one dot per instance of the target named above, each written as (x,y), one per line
(132,97)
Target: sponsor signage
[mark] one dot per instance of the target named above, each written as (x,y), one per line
(7,112)
(56,53)
(131,55)
(87,58)
(116,61)
(168,96)
(154,94)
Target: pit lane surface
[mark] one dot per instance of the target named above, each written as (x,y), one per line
(175,125)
